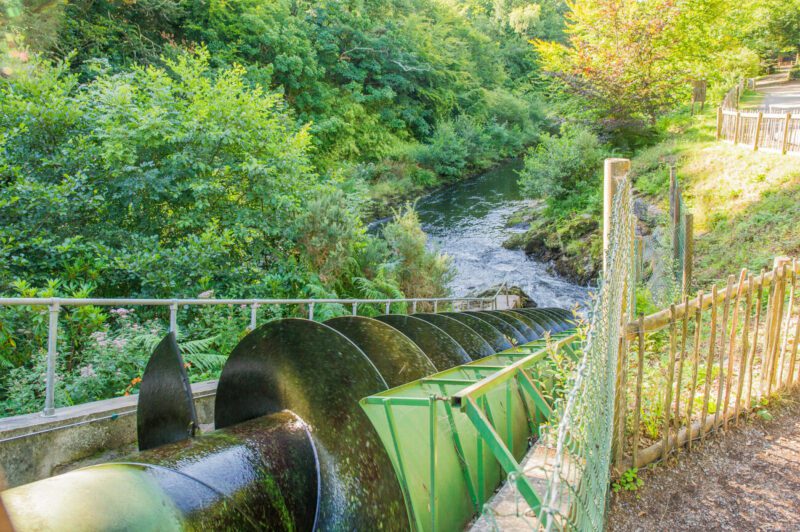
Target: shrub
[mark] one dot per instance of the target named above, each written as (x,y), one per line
(559,165)
(446,153)
(419,271)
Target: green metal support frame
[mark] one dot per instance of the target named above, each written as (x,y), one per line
(428,428)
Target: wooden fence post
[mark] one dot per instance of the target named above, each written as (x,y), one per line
(791,281)
(698,322)
(726,306)
(639,259)
(613,170)
(638,394)
(719,122)
(712,345)
(780,295)
(737,127)
(668,391)
(748,307)
(688,253)
(785,143)
(759,122)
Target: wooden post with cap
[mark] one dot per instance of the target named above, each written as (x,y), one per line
(614,169)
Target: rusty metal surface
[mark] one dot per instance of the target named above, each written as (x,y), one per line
(260,474)
(165,412)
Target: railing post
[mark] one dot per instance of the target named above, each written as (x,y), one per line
(435,307)
(253,315)
(388,307)
(414,307)
(759,122)
(311,311)
(613,170)
(785,143)
(52,346)
(173,317)
(355,309)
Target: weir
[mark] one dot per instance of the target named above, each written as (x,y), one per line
(351,424)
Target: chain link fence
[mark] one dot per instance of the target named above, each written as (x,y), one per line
(580,444)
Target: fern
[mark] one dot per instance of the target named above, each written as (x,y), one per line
(200,355)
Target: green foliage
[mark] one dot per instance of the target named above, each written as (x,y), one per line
(419,271)
(168,174)
(364,74)
(629,481)
(764,414)
(167,182)
(630,62)
(559,165)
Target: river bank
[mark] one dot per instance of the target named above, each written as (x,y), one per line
(572,247)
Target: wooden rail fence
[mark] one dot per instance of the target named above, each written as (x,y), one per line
(697,367)
(776,132)
(776,129)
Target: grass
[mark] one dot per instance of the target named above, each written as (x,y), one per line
(746,204)
(751,98)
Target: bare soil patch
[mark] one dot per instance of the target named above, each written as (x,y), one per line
(748,479)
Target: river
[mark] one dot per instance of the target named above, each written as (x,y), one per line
(468,222)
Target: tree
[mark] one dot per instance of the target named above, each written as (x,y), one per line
(620,56)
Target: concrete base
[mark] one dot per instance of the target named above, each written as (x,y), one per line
(507,510)
(33,447)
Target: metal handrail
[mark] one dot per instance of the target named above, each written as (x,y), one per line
(54,305)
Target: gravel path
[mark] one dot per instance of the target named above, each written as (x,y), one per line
(746,480)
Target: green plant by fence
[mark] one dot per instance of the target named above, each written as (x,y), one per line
(697,367)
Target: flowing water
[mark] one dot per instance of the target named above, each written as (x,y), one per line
(468,222)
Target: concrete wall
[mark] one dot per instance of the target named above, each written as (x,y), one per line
(33,447)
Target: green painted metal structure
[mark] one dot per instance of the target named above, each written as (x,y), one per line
(298,446)
(454,436)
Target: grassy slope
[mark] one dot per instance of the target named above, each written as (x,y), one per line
(746,205)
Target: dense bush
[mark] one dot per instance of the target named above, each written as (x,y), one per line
(418,270)
(560,165)
(168,182)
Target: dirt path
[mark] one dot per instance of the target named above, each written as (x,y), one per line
(746,480)
(778,91)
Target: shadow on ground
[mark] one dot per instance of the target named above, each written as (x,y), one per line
(748,479)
